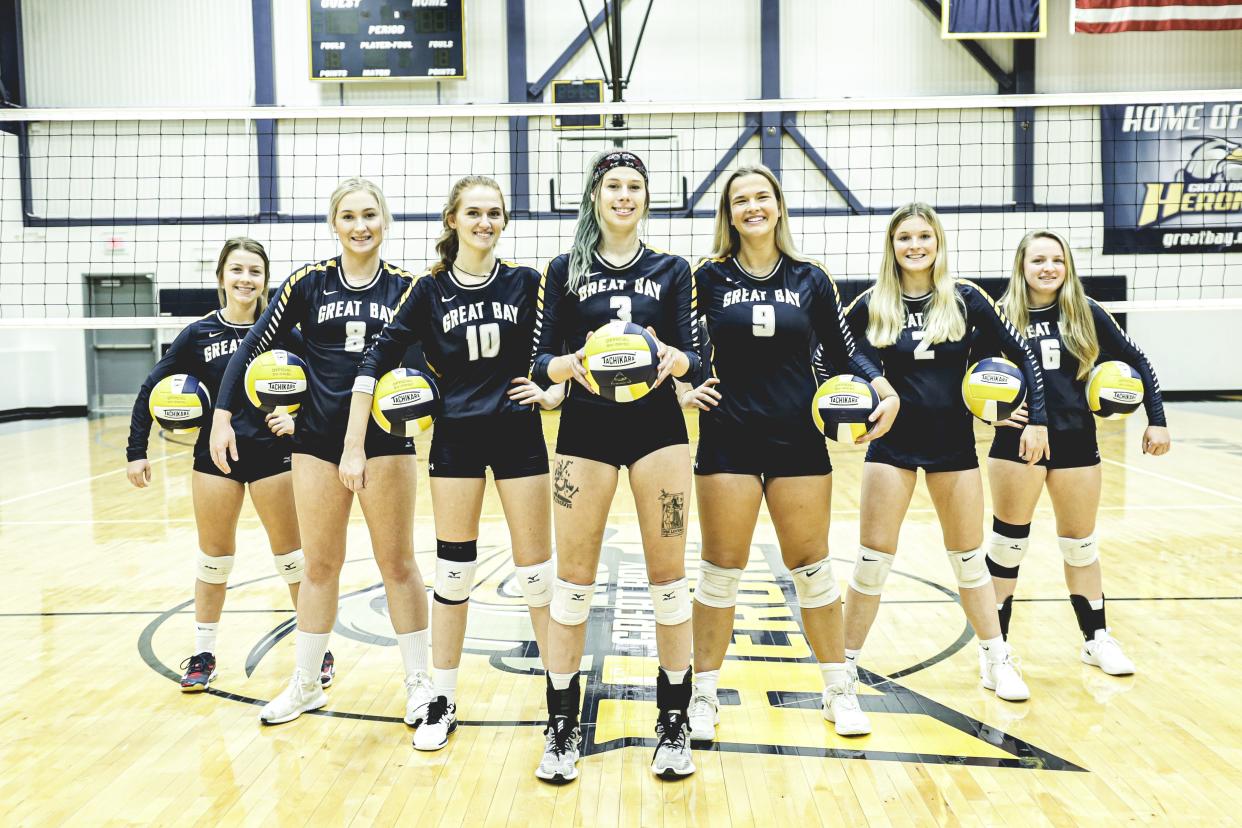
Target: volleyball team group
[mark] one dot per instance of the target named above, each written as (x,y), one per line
(745,337)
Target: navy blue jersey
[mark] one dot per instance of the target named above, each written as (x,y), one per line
(1066,394)
(653,289)
(762,331)
(202,350)
(338,322)
(927,377)
(475,338)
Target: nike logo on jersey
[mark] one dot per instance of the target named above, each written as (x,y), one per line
(214,335)
(330,292)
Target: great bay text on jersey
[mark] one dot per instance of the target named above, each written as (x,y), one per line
(789,297)
(353,307)
(476,312)
(642,287)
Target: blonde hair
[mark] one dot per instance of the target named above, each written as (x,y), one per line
(726,241)
(1076,322)
(945,320)
(587,231)
(354,185)
(250,246)
(448,244)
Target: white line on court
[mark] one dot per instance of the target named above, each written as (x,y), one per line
(1176,480)
(79,482)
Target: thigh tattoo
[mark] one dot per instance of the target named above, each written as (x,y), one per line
(672,514)
(563,491)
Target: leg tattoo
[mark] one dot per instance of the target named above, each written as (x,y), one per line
(672,514)
(562,490)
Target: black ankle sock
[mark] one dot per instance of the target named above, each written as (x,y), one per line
(1089,620)
(1005,612)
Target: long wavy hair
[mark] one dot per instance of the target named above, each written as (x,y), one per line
(448,244)
(726,241)
(945,320)
(1076,323)
(587,231)
(250,246)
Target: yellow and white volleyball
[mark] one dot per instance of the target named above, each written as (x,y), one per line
(276,380)
(406,402)
(621,361)
(180,403)
(841,407)
(993,389)
(1114,390)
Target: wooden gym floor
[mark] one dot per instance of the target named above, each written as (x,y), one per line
(96,621)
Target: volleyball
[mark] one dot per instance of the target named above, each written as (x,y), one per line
(993,389)
(841,407)
(621,361)
(180,403)
(406,402)
(1114,390)
(276,380)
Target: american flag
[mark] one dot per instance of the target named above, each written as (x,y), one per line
(1108,16)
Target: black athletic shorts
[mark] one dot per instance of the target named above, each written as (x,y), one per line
(1070,449)
(512,444)
(256,460)
(727,449)
(378,444)
(620,434)
(932,456)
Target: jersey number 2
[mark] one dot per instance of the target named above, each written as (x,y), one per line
(483,340)
(922,350)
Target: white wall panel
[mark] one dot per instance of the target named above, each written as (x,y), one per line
(138,53)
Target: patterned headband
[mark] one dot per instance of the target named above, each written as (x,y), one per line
(612,160)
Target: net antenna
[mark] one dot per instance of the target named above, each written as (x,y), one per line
(616,60)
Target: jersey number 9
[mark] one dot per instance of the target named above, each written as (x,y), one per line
(764,320)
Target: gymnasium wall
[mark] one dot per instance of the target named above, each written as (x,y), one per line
(199,54)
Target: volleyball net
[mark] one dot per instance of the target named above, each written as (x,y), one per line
(93,201)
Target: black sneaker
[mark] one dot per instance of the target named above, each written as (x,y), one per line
(327,670)
(199,671)
(672,759)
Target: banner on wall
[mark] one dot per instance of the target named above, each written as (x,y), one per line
(1172,177)
(982,19)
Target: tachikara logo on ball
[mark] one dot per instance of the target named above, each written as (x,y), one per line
(1114,390)
(179,403)
(276,380)
(993,389)
(406,402)
(621,361)
(842,406)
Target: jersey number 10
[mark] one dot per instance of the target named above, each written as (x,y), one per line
(483,341)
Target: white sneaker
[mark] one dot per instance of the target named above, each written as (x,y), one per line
(560,751)
(672,758)
(441,720)
(840,706)
(704,715)
(303,693)
(1104,652)
(418,696)
(1003,675)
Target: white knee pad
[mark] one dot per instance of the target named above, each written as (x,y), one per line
(535,581)
(815,585)
(214,570)
(870,571)
(454,580)
(970,568)
(571,603)
(1079,551)
(291,566)
(717,586)
(671,602)
(1007,552)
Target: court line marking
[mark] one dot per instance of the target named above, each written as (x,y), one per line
(1043,510)
(1171,479)
(79,482)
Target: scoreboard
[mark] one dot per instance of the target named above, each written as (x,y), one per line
(354,40)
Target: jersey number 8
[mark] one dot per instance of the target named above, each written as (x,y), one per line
(355,336)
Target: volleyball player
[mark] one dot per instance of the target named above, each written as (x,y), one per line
(764,302)
(340,304)
(1070,332)
(917,321)
(475,317)
(202,350)
(611,274)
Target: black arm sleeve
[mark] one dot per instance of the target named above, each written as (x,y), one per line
(836,340)
(981,312)
(394,339)
(140,417)
(1116,343)
(274,325)
(686,296)
(548,310)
